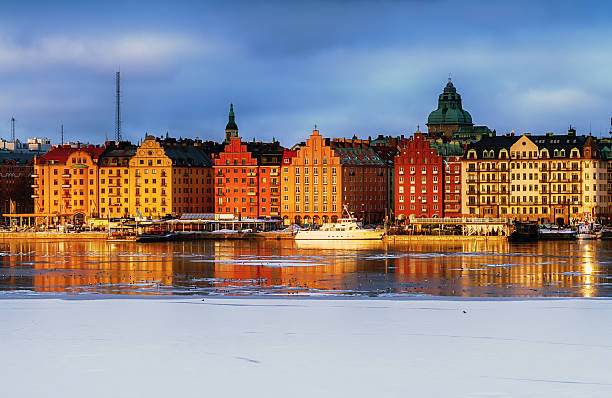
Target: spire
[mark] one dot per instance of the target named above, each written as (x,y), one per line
(231,129)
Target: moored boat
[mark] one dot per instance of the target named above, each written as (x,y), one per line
(344,229)
(524,232)
(588,232)
(553,232)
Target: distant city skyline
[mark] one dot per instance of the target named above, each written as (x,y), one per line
(351,67)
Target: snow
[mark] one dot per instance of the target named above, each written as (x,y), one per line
(278,347)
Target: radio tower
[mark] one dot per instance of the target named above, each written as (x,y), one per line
(118,111)
(12,129)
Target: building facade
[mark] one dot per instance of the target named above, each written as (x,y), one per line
(170,178)
(324,177)
(419,180)
(236,181)
(550,179)
(66,183)
(16,182)
(114,179)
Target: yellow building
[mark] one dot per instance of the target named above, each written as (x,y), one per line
(114,180)
(551,178)
(170,177)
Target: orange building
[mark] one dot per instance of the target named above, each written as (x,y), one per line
(66,183)
(325,176)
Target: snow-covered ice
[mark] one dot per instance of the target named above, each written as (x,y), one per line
(273,347)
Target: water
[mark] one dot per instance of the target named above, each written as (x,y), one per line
(472,269)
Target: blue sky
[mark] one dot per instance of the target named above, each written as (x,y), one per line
(351,67)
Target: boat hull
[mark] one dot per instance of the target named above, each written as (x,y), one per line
(557,235)
(588,236)
(155,238)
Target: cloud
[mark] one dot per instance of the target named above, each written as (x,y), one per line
(134,50)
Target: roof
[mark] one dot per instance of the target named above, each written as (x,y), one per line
(61,153)
(494,144)
(266,153)
(358,156)
(386,153)
(121,151)
(447,148)
(183,154)
(18,157)
(549,141)
(450,110)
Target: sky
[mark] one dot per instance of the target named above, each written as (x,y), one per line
(348,66)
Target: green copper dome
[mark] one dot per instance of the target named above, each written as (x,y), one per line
(449,109)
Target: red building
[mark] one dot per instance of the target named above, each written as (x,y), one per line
(236,181)
(16,181)
(247,179)
(419,180)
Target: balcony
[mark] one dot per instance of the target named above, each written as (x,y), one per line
(34,175)
(34,185)
(252,193)
(66,185)
(34,196)
(65,175)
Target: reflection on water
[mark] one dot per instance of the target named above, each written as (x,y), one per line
(311,268)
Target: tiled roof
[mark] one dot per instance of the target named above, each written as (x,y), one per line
(358,157)
(386,153)
(61,153)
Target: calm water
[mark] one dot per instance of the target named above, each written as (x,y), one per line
(287,267)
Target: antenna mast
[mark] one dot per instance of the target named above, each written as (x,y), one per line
(118,110)
(62,134)
(13,129)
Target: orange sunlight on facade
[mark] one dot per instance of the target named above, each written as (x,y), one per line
(67,183)
(323,176)
(236,181)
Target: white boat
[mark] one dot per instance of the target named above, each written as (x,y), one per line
(344,229)
(586,232)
